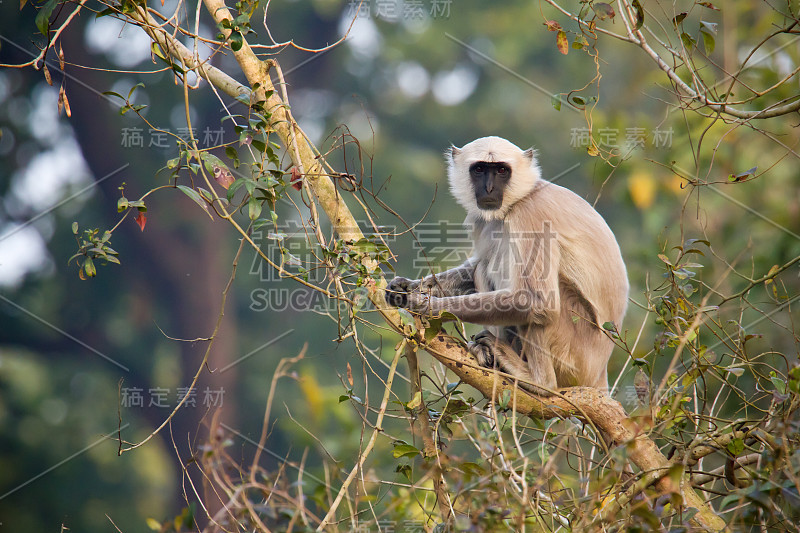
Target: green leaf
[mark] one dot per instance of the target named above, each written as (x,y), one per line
(433,329)
(779,383)
(194,195)
(407,319)
(736,446)
(75,228)
(405,470)
(253,208)
(89,268)
(405,450)
(140,84)
(236,41)
(708,30)
(112,93)
(43,16)
(504,399)
(556,101)
(156,49)
(679,18)
(122,204)
(416,401)
(688,41)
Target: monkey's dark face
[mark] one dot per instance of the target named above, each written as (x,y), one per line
(489,180)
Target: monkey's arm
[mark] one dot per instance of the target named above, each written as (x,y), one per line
(533,298)
(496,308)
(456,281)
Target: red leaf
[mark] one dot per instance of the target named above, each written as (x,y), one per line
(561,42)
(297,178)
(141,220)
(552,25)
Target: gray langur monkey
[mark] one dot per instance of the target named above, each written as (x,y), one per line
(545,273)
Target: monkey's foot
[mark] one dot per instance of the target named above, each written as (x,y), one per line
(482,347)
(494,353)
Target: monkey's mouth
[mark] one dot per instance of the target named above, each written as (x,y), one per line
(490,204)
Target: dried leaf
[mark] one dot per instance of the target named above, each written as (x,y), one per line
(603,10)
(60,57)
(641,383)
(743,176)
(708,5)
(47,77)
(223,176)
(63,102)
(679,18)
(552,25)
(561,42)
(349,375)
(297,178)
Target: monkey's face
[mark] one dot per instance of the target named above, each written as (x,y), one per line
(489,181)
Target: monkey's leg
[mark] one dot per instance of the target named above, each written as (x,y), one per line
(493,352)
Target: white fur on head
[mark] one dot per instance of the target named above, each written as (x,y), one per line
(524,173)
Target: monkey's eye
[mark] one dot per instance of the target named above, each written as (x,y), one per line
(502,170)
(478,169)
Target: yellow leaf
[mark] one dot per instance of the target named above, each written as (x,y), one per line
(642,188)
(416,401)
(561,42)
(313,393)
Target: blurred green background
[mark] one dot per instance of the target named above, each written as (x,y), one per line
(407,85)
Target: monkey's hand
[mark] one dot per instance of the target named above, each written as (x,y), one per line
(397,292)
(408,294)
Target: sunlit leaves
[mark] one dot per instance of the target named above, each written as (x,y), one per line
(401,449)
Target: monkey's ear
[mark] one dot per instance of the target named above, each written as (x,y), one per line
(451,152)
(529,154)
